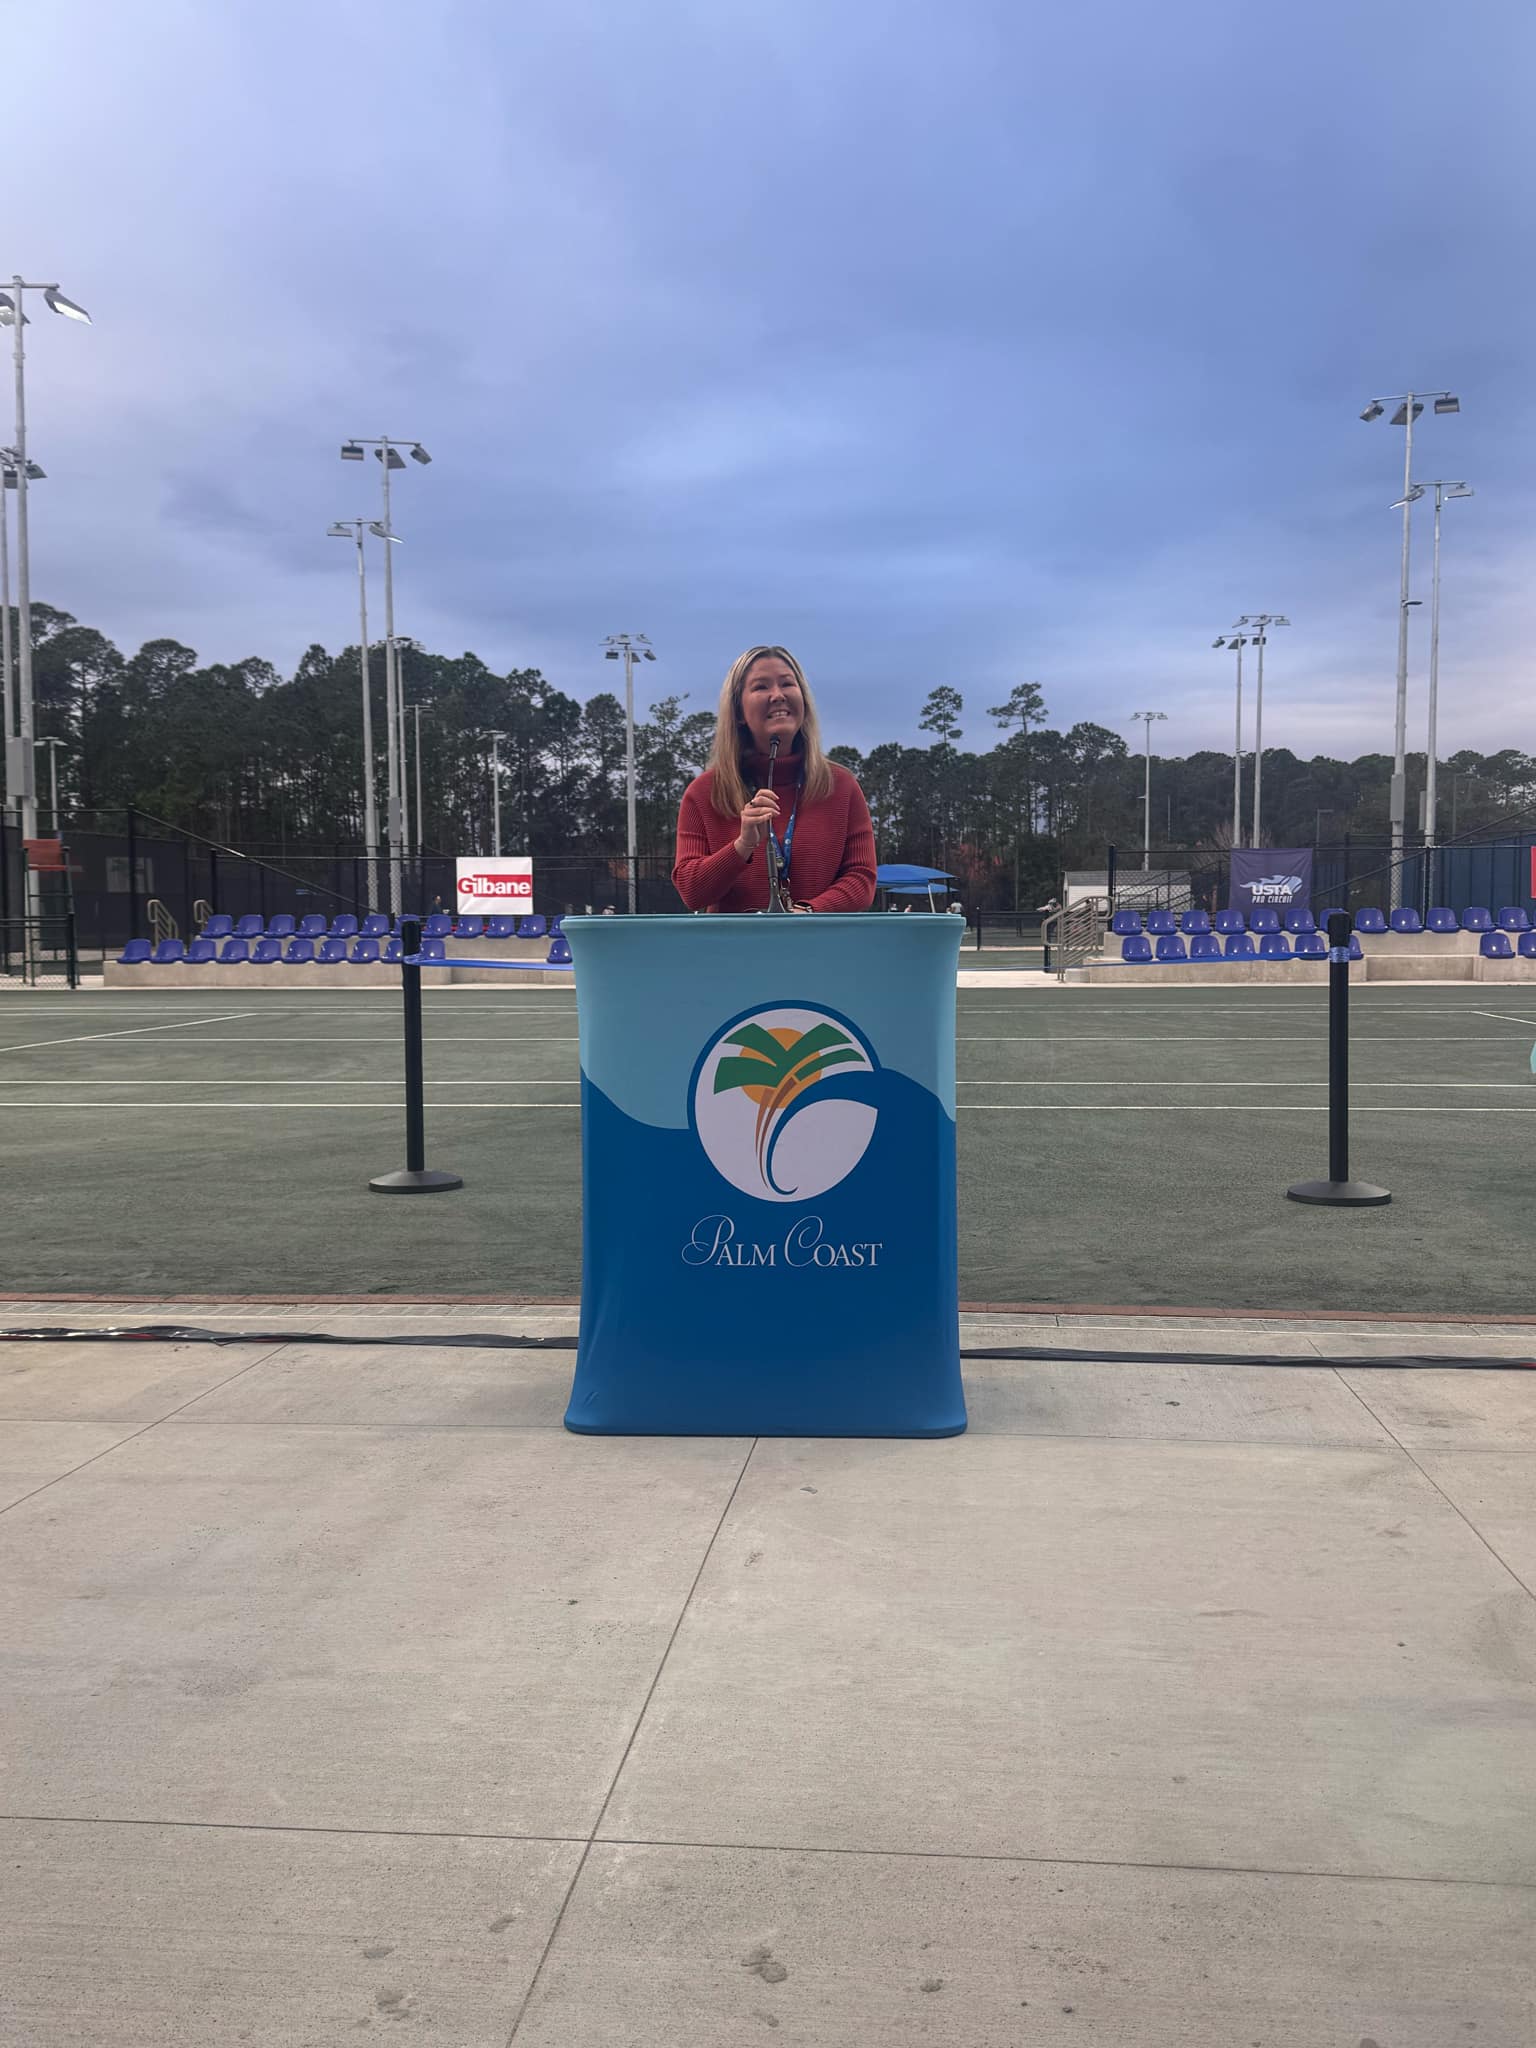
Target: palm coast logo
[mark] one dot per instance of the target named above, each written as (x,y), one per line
(783,1102)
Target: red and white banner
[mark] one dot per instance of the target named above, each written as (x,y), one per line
(499,886)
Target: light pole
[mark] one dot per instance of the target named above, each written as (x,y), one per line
(1151,718)
(15,776)
(1238,641)
(632,647)
(386,448)
(1442,489)
(1409,406)
(495,739)
(13,314)
(420,835)
(1261,621)
(353,530)
(53,745)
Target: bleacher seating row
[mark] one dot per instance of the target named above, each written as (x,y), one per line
(377,925)
(339,942)
(1137,950)
(1127,924)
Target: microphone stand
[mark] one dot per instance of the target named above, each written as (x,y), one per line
(775,898)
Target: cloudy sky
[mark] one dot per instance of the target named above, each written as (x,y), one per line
(962,341)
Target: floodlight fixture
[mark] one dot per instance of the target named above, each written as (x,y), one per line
(391,456)
(56,302)
(351,451)
(419,454)
(1447,402)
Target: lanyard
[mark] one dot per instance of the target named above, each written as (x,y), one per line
(785,846)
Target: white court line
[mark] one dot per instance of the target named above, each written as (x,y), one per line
(373,1038)
(134,1031)
(1503,1017)
(573,1108)
(1296,1081)
(1268,1038)
(482,1081)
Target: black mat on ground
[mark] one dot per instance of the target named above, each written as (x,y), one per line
(1056,1354)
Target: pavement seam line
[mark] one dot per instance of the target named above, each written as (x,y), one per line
(132,1031)
(133,1436)
(1430,1480)
(581,1861)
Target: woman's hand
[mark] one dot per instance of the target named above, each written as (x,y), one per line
(755,821)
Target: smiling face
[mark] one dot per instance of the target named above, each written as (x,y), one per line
(772,707)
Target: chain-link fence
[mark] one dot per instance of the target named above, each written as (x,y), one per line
(38,952)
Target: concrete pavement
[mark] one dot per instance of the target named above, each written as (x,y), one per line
(344,1693)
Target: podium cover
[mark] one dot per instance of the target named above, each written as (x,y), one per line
(768,1176)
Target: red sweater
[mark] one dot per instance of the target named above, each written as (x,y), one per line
(832,859)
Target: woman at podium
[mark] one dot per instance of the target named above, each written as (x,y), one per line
(771,812)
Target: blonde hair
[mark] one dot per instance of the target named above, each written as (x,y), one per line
(729,792)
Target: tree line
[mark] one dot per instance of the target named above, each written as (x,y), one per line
(272,763)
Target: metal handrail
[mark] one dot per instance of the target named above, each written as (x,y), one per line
(1075,933)
(161,923)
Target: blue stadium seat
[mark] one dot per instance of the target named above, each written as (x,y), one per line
(1126,924)
(1406,921)
(1160,923)
(1135,951)
(437,926)
(501,927)
(1333,910)
(433,949)
(559,951)
(375,925)
(218,927)
(1311,946)
(1356,950)
(531,928)
(1476,919)
(1265,919)
(1525,945)
(201,952)
(1299,921)
(1229,922)
(281,926)
(1496,946)
(134,953)
(344,927)
(249,927)
(1240,946)
(1195,924)
(556,924)
(1274,946)
(332,952)
(1171,947)
(312,925)
(469,928)
(365,952)
(235,953)
(267,952)
(299,952)
(1205,946)
(1370,920)
(169,953)
(1443,919)
(391,952)
(1513,919)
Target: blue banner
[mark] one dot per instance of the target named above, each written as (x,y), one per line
(768,1176)
(1270,878)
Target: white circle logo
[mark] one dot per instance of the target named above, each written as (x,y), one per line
(783,1102)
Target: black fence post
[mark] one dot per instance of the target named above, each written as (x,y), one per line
(213,880)
(1112,868)
(1338,1191)
(417,1178)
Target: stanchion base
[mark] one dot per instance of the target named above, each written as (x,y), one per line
(427,1182)
(1337,1194)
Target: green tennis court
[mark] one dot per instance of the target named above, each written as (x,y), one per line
(1116,1148)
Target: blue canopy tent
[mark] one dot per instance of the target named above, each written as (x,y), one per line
(900,879)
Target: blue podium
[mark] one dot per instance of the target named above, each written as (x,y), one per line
(768,1176)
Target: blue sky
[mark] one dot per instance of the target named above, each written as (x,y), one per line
(964,343)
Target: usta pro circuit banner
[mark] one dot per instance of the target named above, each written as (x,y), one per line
(494,885)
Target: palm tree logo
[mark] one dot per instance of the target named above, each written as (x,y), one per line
(766,1071)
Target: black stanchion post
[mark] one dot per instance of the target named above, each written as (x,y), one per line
(1338,1191)
(417,1178)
